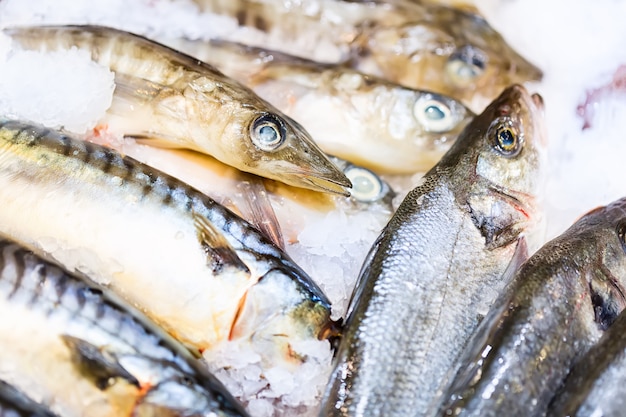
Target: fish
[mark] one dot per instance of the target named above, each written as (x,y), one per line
(287,215)
(83,353)
(438,264)
(444,49)
(13,403)
(559,304)
(170,99)
(593,385)
(194,267)
(365,119)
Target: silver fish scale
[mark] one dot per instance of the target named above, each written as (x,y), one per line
(431,305)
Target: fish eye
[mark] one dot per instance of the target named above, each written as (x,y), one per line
(465,65)
(366,186)
(267,132)
(621,234)
(507,140)
(433,114)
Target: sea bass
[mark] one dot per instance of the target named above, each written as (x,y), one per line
(559,304)
(425,46)
(171,99)
(362,118)
(595,385)
(13,403)
(82,354)
(194,267)
(438,264)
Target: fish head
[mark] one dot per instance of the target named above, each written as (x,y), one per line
(453,52)
(497,165)
(599,240)
(280,318)
(259,139)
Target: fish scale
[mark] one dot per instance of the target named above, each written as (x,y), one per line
(53,305)
(438,265)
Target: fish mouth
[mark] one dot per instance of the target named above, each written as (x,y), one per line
(328,185)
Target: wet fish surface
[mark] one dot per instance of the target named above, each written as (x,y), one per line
(426,46)
(558,306)
(194,267)
(85,354)
(437,265)
(171,99)
(362,118)
(594,386)
(14,403)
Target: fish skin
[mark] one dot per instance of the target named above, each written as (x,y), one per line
(594,385)
(171,99)
(54,186)
(365,119)
(437,266)
(55,307)
(426,46)
(14,403)
(557,307)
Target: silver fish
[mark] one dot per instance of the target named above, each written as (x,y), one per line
(171,99)
(362,118)
(437,265)
(194,267)
(13,403)
(595,385)
(559,304)
(420,45)
(82,354)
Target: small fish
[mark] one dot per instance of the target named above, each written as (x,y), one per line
(362,118)
(438,264)
(595,385)
(171,99)
(85,354)
(557,307)
(201,272)
(420,45)
(14,403)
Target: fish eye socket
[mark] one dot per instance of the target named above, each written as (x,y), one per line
(366,186)
(465,65)
(621,234)
(267,132)
(433,114)
(507,140)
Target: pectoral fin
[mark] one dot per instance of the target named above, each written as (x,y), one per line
(97,363)
(259,211)
(220,254)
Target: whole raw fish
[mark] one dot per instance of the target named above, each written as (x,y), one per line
(194,267)
(173,100)
(438,264)
(595,385)
(81,354)
(558,306)
(362,118)
(425,46)
(14,403)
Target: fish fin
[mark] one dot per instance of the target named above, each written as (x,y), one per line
(519,257)
(220,254)
(96,362)
(259,211)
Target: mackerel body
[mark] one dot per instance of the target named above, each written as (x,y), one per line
(13,403)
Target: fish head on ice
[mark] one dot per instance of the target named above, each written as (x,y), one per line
(499,159)
(450,51)
(259,139)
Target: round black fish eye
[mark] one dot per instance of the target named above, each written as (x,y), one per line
(267,132)
(506,139)
(465,65)
(621,234)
